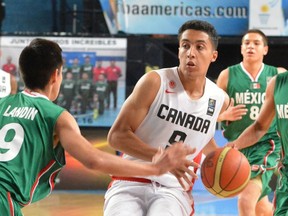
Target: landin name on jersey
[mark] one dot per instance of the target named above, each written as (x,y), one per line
(183,119)
(21,112)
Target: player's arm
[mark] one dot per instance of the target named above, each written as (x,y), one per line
(229,112)
(78,147)
(211,146)
(255,131)
(121,135)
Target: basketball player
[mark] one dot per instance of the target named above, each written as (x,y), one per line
(245,83)
(8,84)
(32,128)
(167,105)
(276,101)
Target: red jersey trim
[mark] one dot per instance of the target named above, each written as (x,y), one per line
(42,172)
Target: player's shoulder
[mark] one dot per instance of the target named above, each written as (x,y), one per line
(150,80)
(281,76)
(212,85)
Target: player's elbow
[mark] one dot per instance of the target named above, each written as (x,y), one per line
(94,163)
(260,129)
(113,139)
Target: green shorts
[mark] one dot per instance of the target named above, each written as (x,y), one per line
(281,199)
(8,206)
(263,158)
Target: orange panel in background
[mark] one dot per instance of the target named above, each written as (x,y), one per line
(75,176)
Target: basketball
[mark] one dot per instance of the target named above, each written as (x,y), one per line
(225,172)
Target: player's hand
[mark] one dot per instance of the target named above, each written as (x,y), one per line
(185,178)
(232,145)
(177,163)
(174,159)
(234,113)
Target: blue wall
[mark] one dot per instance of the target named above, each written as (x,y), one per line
(35,16)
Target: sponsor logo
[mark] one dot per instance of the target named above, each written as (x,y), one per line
(211,107)
(169,92)
(172,84)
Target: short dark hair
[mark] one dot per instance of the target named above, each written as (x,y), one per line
(200,25)
(38,61)
(257,31)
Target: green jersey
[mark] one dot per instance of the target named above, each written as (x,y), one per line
(101,89)
(281,108)
(245,90)
(29,163)
(68,88)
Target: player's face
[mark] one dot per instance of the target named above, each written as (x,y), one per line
(195,54)
(253,47)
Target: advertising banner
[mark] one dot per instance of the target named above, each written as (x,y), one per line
(166,16)
(91,100)
(271,16)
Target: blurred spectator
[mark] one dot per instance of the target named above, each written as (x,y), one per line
(76,69)
(87,67)
(10,67)
(68,91)
(65,67)
(85,92)
(98,69)
(100,93)
(113,73)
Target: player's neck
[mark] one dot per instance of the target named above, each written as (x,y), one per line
(36,92)
(253,68)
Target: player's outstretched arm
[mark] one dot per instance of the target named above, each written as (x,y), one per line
(78,147)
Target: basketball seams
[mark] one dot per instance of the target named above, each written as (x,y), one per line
(220,161)
(224,187)
(224,192)
(213,173)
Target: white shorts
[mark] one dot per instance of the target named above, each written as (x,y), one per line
(126,198)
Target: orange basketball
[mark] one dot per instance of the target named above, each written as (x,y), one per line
(225,172)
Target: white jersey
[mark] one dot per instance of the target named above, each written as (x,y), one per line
(5,85)
(174,116)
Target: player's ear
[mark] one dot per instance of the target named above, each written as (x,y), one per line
(214,56)
(266,48)
(55,75)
